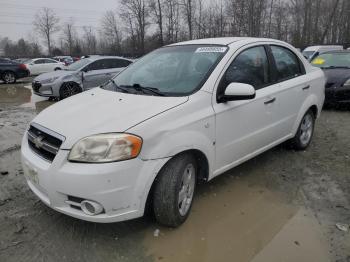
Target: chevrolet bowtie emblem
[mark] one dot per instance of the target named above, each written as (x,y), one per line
(38,141)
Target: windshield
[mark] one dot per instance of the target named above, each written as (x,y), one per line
(177,70)
(78,65)
(332,60)
(308,54)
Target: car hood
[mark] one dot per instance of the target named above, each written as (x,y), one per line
(101,111)
(57,73)
(337,76)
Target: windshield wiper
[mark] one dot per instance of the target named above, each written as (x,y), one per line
(116,87)
(139,87)
(335,67)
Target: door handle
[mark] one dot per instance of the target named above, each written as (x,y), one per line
(270,101)
(306,87)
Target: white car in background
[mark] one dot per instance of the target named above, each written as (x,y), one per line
(182,113)
(43,65)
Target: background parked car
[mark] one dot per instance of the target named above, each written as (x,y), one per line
(79,76)
(336,66)
(67,60)
(21,60)
(43,65)
(10,71)
(313,51)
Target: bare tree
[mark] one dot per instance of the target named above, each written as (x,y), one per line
(189,7)
(46,23)
(89,40)
(156,8)
(111,31)
(69,36)
(136,13)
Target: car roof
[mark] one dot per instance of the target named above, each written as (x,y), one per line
(95,57)
(223,41)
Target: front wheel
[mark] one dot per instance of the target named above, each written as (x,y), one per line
(303,137)
(174,190)
(69,89)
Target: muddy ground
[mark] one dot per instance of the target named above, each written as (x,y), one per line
(280,206)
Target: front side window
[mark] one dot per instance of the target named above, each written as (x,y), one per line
(287,63)
(249,67)
(78,64)
(172,71)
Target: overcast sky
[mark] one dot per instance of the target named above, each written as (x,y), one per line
(16,16)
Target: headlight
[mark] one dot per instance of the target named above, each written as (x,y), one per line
(49,80)
(347,83)
(106,148)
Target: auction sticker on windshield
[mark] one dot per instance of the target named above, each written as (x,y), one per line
(211,49)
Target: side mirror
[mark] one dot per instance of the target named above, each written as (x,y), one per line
(237,91)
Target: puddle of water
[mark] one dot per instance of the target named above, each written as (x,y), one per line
(299,240)
(233,223)
(21,95)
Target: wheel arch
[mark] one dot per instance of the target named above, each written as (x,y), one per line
(203,174)
(311,103)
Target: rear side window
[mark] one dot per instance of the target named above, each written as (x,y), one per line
(287,63)
(40,61)
(118,63)
(99,65)
(49,61)
(249,67)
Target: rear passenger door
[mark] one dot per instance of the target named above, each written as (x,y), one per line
(116,65)
(293,86)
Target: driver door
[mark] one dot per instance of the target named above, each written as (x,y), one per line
(243,127)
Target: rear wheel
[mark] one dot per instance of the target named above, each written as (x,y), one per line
(69,89)
(9,77)
(305,132)
(174,190)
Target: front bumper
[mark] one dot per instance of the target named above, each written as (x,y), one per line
(120,187)
(337,95)
(22,73)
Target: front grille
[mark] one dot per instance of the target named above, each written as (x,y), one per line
(328,85)
(36,86)
(44,144)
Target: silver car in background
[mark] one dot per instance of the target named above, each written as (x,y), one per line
(80,76)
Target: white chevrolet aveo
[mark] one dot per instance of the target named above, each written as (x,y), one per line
(183,113)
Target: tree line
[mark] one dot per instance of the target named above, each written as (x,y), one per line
(138,26)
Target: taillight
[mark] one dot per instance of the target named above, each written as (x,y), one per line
(23,66)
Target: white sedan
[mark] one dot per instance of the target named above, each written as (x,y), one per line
(43,65)
(183,113)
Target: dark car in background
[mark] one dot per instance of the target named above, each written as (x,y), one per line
(10,71)
(336,66)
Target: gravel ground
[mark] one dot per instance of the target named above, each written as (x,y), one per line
(280,206)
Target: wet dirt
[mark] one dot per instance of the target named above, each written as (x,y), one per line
(280,206)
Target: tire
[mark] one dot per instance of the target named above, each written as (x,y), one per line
(174,190)
(69,89)
(9,77)
(303,137)
(57,68)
